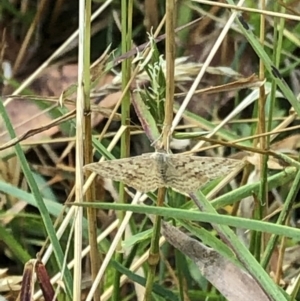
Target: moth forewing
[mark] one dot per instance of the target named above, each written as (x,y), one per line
(139,172)
(189,173)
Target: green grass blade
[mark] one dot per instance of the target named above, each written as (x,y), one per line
(40,203)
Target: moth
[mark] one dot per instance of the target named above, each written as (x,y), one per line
(154,170)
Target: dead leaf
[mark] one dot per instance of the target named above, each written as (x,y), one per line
(273,163)
(234,283)
(287,145)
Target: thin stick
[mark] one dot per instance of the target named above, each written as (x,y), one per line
(82,95)
(55,55)
(170,58)
(203,69)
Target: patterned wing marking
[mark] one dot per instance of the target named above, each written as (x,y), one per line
(151,171)
(189,173)
(139,172)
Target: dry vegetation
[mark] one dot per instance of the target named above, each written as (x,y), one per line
(213,81)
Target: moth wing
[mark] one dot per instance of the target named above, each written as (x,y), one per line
(139,172)
(189,173)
